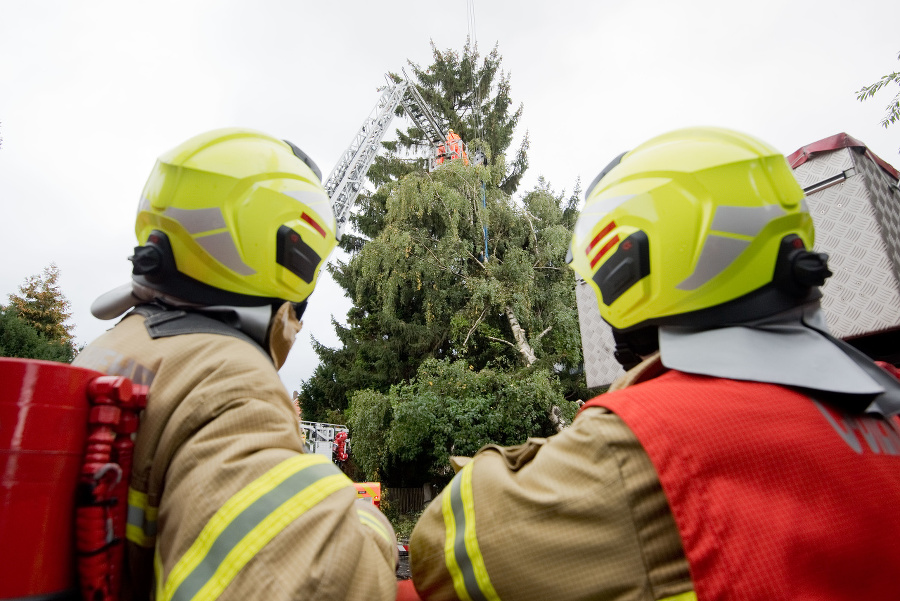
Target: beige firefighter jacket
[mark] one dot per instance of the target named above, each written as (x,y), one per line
(223,499)
(580,515)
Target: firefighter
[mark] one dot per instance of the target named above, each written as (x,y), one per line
(746,453)
(457,150)
(233,226)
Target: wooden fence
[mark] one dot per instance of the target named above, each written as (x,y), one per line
(407,500)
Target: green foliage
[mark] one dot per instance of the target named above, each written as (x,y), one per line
(474,101)
(403,523)
(470,98)
(448,409)
(464,328)
(18,338)
(33,324)
(892,114)
(423,288)
(41,303)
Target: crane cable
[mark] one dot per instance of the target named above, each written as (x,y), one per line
(476,90)
(476,109)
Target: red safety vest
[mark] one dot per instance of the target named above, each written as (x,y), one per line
(775,495)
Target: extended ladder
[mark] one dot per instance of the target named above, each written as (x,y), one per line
(348,177)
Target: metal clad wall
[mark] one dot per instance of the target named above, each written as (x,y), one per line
(863,295)
(597,344)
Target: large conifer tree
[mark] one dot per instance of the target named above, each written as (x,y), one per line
(453,268)
(33,325)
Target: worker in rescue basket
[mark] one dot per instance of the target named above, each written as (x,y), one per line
(233,226)
(746,454)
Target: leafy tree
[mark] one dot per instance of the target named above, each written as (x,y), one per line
(425,288)
(33,325)
(452,280)
(892,114)
(18,338)
(448,409)
(374,352)
(41,304)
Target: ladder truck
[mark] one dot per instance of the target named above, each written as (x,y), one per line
(346,180)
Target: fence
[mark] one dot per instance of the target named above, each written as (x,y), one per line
(408,500)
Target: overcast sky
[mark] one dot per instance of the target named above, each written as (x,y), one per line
(92,92)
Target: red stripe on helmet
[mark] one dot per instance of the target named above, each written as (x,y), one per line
(606,248)
(314,223)
(609,227)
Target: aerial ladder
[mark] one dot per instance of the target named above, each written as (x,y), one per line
(347,179)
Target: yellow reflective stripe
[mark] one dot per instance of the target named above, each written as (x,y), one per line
(247,522)
(141,526)
(158,572)
(688,596)
(461,551)
(459,584)
(372,522)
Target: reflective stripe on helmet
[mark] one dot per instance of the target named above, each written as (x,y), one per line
(721,251)
(221,247)
(746,221)
(196,221)
(718,253)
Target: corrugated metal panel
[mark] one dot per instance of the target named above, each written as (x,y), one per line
(597,344)
(856,212)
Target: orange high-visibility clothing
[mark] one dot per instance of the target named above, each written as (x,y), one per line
(776,495)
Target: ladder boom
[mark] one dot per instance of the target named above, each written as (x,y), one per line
(346,180)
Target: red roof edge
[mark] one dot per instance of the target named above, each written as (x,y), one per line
(836,142)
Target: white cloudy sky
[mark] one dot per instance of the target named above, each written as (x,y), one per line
(91,92)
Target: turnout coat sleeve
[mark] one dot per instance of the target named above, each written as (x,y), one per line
(580,515)
(223,500)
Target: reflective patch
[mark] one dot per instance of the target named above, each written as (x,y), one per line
(746,221)
(717,254)
(879,435)
(688,596)
(142,519)
(593,213)
(247,522)
(196,221)
(462,554)
(372,522)
(316,202)
(221,247)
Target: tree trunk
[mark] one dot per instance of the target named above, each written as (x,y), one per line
(521,340)
(529,357)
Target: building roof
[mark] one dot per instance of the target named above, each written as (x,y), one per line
(836,142)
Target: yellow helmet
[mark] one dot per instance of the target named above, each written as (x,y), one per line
(698,227)
(235,217)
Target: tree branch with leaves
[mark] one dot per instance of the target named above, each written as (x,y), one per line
(892,112)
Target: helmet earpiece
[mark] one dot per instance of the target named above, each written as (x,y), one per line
(146,260)
(797,269)
(154,266)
